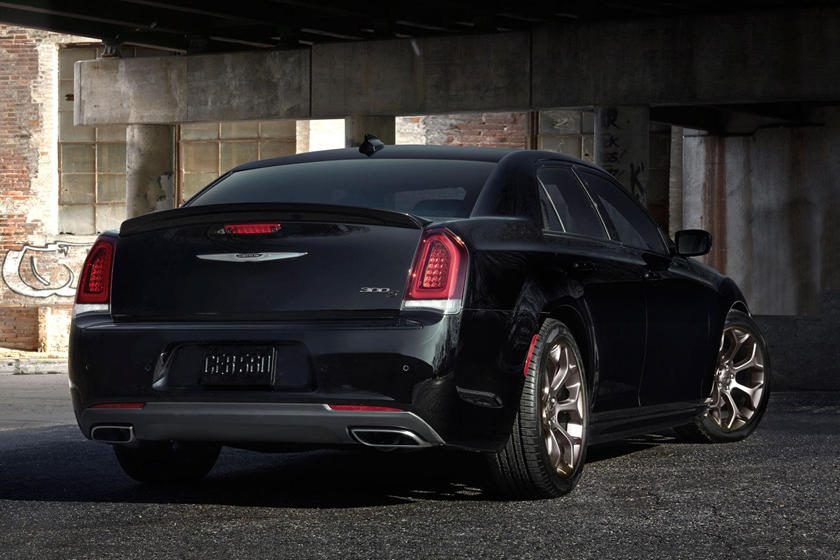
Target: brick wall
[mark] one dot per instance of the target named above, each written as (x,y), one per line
(19,327)
(20,123)
(490,130)
(38,266)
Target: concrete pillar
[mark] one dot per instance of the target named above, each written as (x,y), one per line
(675,182)
(302,131)
(149,162)
(355,128)
(622,146)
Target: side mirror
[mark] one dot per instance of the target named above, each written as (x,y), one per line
(693,242)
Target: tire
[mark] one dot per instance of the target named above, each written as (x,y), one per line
(532,464)
(739,394)
(167,462)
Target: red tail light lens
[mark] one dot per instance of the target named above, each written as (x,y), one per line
(121,405)
(251,229)
(438,273)
(95,282)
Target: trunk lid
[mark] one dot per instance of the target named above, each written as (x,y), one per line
(320,262)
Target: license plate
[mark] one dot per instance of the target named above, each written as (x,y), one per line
(238,365)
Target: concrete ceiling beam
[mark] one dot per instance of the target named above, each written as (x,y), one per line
(788,56)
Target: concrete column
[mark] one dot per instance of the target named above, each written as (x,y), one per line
(302,130)
(675,182)
(355,128)
(622,146)
(149,162)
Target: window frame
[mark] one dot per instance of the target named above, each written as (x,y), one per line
(593,204)
(96,143)
(553,207)
(219,141)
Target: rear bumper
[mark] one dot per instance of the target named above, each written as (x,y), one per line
(255,423)
(429,365)
(406,363)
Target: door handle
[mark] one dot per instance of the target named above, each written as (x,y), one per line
(583,266)
(651,275)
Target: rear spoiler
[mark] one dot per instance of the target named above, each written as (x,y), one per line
(256,212)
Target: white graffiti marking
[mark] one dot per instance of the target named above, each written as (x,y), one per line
(46,271)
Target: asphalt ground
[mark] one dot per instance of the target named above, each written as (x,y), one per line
(776,495)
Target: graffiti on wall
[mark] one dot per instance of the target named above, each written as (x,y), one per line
(44,271)
(617,159)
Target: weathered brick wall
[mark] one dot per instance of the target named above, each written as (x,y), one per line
(21,123)
(490,130)
(39,268)
(410,130)
(19,327)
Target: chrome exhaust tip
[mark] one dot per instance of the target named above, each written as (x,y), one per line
(388,437)
(112,434)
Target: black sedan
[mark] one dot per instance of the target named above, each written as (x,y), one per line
(516,303)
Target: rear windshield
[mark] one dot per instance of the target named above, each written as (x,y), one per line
(424,187)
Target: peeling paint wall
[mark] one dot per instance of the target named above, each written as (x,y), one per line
(772,202)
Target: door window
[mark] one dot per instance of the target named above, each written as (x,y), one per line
(571,203)
(630,223)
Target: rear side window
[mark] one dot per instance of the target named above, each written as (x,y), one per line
(630,223)
(551,221)
(572,205)
(424,187)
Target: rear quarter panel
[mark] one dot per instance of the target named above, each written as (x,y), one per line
(513,285)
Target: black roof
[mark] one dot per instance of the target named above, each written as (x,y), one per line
(492,155)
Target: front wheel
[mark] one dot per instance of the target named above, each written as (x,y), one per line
(546,450)
(740,388)
(167,461)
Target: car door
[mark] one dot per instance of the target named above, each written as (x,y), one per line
(677,304)
(612,281)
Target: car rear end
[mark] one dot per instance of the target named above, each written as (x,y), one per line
(287,309)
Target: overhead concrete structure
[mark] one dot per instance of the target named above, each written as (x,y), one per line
(421,76)
(711,63)
(169,89)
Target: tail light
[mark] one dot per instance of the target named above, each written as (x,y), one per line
(94,290)
(251,229)
(438,274)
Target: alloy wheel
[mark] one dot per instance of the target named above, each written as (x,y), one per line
(739,379)
(563,408)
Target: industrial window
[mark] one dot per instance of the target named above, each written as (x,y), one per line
(206,150)
(91,161)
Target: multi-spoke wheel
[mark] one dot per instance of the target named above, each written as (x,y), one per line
(741,384)
(547,448)
(562,407)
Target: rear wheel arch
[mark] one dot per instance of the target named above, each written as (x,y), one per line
(546,447)
(573,318)
(739,305)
